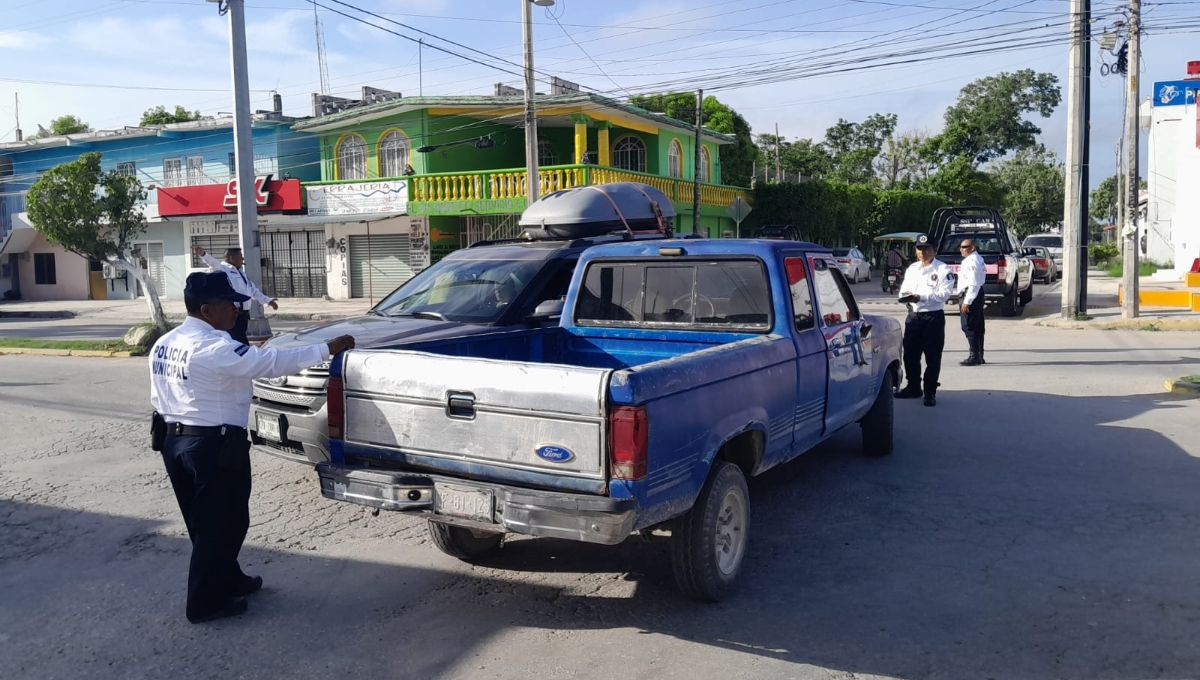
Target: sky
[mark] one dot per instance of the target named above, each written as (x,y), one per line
(798,64)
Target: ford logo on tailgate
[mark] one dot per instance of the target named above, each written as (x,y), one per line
(555,454)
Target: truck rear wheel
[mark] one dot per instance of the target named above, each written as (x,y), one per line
(708,544)
(1008,304)
(461,542)
(877,426)
(1027,294)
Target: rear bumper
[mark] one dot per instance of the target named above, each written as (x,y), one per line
(576,517)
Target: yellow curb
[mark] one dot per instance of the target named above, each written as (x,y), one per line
(103,353)
(1183,387)
(91,353)
(51,352)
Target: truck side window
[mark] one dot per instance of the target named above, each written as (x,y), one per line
(833,295)
(802,309)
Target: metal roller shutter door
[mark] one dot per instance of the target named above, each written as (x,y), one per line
(387,266)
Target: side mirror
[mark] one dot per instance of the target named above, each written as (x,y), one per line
(547,311)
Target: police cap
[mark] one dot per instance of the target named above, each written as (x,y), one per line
(923,241)
(211,286)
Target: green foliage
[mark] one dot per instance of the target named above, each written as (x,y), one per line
(1032,185)
(1117,269)
(737,159)
(1103,253)
(159,115)
(87,211)
(987,122)
(904,161)
(1102,205)
(853,147)
(833,213)
(963,184)
(63,125)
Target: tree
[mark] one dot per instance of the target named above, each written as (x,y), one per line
(63,125)
(808,159)
(853,147)
(95,215)
(1102,205)
(1032,182)
(964,184)
(737,159)
(904,162)
(987,121)
(159,115)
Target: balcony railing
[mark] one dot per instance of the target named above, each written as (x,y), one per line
(500,191)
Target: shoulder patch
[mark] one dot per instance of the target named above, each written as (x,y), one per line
(241,350)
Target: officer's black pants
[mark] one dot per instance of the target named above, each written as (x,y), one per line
(924,333)
(972,325)
(211,478)
(238,332)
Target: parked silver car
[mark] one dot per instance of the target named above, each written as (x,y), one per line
(1052,243)
(853,264)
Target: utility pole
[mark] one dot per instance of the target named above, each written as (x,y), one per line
(17,112)
(777,140)
(531,141)
(696,171)
(1119,191)
(1129,280)
(1074,164)
(243,160)
(1085,219)
(421,67)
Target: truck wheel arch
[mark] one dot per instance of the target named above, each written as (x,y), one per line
(744,450)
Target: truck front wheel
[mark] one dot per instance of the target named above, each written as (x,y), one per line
(709,543)
(877,425)
(461,542)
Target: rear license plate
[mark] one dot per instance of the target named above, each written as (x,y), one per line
(463,501)
(891,279)
(268,427)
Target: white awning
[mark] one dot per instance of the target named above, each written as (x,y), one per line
(20,237)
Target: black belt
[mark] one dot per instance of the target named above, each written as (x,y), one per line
(937,313)
(181,430)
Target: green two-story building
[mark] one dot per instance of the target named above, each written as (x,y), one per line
(428,175)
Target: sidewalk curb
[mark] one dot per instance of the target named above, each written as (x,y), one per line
(176,318)
(38,315)
(66,352)
(1184,388)
(1144,324)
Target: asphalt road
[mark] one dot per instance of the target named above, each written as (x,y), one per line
(1039,523)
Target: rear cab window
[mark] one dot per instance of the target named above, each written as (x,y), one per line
(691,294)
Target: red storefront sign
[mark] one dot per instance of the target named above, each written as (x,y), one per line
(271,195)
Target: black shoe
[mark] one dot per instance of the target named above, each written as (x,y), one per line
(233,607)
(930,401)
(248,586)
(972,360)
(909,392)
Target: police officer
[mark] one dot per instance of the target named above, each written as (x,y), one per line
(232,266)
(927,285)
(200,389)
(971,277)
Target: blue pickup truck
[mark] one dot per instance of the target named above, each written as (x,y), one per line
(679,368)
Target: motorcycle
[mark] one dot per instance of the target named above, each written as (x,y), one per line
(891,282)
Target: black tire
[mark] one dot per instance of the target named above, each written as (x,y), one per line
(711,531)
(1026,295)
(1008,304)
(461,542)
(878,425)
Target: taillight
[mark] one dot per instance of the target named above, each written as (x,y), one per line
(1002,269)
(629,429)
(844,261)
(335,409)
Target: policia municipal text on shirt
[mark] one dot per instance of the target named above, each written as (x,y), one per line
(927,284)
(200,387)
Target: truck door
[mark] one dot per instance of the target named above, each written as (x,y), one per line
(808,422)
(847,356)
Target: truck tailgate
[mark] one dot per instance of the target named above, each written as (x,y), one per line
(440,412)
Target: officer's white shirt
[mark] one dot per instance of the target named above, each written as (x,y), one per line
(237,279)
(934,284)
(972,274)
(201,376)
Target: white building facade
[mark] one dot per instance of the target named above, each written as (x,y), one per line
(1172,223)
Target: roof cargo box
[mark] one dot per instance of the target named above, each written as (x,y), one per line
(599,209)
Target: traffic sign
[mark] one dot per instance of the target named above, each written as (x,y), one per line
(737,211)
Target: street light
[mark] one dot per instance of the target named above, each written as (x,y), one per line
(531,141)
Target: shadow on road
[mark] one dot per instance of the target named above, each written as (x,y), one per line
(975,551)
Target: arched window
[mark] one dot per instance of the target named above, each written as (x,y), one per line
(352,158)
(675,159)
(629,153)
(705,166)
(546,153)
(393,154)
